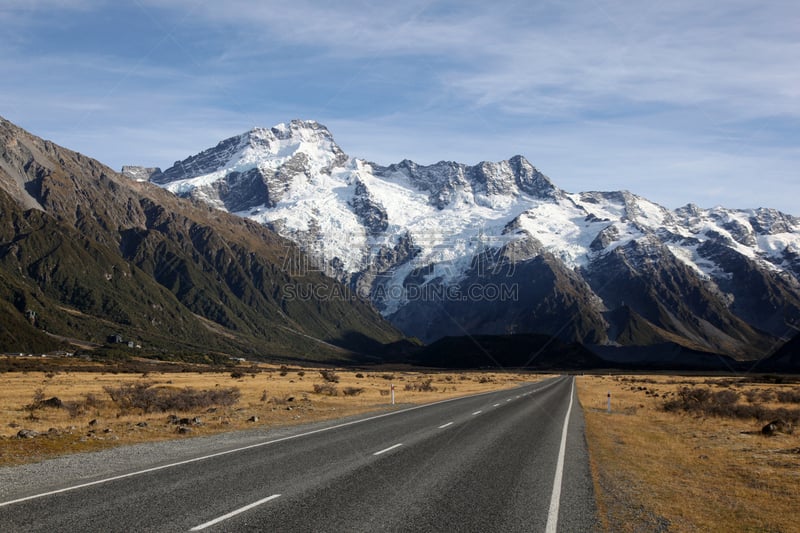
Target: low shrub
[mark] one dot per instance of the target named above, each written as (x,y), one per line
(352,391)
(329,389)
(283,400)
(75,409)
(78,408)
(759,395)
(148,399)
(421,386)
(788,396)
(329,375)
(724,404)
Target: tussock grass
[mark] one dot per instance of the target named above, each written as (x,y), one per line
(687,454)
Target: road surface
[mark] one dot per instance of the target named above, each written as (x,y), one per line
(511,460)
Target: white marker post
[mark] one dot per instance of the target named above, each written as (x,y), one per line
(392,393)
(609,401)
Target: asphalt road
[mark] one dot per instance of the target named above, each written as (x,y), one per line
(491,462)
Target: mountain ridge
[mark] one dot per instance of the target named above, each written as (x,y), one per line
(92,253)
(717,280)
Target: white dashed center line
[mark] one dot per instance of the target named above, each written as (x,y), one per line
(388,449)
(234,513)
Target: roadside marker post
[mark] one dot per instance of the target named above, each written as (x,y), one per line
(609,401)
(392,393)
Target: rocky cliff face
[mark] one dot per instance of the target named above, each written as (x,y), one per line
(497,247)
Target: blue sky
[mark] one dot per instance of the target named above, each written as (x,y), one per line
(676,101)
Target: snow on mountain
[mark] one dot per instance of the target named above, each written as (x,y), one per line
(318,196)
(379,226)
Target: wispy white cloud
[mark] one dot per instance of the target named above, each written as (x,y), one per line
(561,57)
(666,99)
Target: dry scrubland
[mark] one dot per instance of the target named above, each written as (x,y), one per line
(688,454)
(72,410)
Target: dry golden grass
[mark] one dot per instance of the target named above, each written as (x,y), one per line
(670,471)
(277,396)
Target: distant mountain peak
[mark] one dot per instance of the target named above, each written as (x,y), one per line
(298,125)
(531,180)
(296,130)
(391,230)
(258,148)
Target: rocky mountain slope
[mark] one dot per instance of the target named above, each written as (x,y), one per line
(498,248)
(86,253)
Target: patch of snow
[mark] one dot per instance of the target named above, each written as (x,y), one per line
(563,230)
(775,245)
(690,257)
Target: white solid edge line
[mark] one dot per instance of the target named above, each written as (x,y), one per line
(234,513)
(555,499)
(236,450)
(388,449)
(445,425)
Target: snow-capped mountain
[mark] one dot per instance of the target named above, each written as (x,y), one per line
(449,249)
